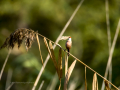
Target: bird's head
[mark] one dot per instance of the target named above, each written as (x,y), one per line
(69,38)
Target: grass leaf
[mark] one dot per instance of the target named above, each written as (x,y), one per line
(95,82)
(53,56)
(39,47)
(69,74)
(46,44)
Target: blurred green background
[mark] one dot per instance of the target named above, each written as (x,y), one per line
(89,36)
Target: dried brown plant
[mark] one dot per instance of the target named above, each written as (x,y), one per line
(60,63)
(85,80)
(95,82)
(107,85)
(29,35)
(53,57)
(69,72)
(39,47)
(60,66)
(18,36)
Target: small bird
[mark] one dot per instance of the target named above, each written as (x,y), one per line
(68,44)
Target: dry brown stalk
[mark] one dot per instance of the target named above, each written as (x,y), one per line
(39,47)
(64,37)
(66,64)
(109,39)
(107,85)
(69,72)
(9,76)
(59,85)
(41,85)
(95,82)
(60,64)
(111,52)
(85,80)
(4,64)
(53,57)
(10,86)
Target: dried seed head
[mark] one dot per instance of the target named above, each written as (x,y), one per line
(5,43)
(18,36)
(30,36)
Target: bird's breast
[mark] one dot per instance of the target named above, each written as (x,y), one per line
(68,44)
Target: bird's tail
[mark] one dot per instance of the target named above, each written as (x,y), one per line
(68,51)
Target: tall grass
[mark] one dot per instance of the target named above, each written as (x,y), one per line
(70,70)
(29,35)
